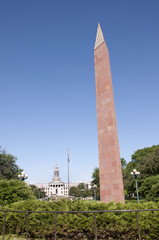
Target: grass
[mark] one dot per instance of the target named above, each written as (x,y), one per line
(15,237)
(134,201)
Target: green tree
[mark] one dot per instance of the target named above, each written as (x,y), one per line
(146,161)
(38,192)
(150,188)
(14,191)
(73,191)
(96,182)
(95,177)
(123,163)
(80,191)
(8,166)
(129,182)
(81,186)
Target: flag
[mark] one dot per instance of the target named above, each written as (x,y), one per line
(68,155)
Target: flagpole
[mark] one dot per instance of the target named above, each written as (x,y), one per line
(68,160)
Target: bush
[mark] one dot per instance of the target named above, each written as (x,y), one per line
(110,225)
(14,191)
(150,188)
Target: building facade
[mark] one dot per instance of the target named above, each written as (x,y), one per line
(57,188)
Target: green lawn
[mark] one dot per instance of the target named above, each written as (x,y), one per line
(134,201)
(15,237)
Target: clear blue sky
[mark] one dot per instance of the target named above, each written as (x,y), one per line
(47,82)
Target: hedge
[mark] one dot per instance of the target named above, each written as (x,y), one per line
(119,225)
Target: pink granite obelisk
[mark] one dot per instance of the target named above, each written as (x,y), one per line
(110,173)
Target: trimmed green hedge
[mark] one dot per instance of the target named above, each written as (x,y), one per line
(81,226)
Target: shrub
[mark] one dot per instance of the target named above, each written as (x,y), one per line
(110,225)
(14,191)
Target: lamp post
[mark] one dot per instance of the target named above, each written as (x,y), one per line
(95,187)
(81,193)
(68,160)
(22,176)
(135,174)
(39,193)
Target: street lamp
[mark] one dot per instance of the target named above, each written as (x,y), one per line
(135,174)
(39,193)
(95,187)
(68,160)
(22,176)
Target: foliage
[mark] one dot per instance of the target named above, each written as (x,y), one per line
(73,191)
(95,177)
(38,192)
(8,166)
(81,186)
(146,161)
(129,183)
(150,188)
(110,225)
(142,153)
(80,191)
(96,182)
(13,191)
(123,163)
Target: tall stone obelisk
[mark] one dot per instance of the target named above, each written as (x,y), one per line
(110,173)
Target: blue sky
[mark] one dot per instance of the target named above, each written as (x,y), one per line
(47,82)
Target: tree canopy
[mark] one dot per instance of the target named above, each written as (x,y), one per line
(38,192)
(95,177)
(150,188)
(8,167)
(146,161)
(80,191)
(14,191)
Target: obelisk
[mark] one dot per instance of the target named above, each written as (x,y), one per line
(110,172)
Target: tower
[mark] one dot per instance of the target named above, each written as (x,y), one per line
(56,174)
(110,173)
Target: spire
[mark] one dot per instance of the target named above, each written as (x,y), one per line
(56,174)
(99,37)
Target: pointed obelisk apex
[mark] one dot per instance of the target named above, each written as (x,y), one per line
(99,37)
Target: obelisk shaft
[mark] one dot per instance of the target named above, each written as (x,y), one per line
(111,181)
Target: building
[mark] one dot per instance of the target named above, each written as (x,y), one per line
(57,188)
(110,173)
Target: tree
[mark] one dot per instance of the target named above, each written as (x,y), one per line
(96,183)
(95,177)
(80,191)
(14,191)
(146,161)
(128,180)
(73,191)
(38,192)
(150,188)
(123,163)
(81,186)
(8,167)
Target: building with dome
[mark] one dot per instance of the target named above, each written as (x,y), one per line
(57,188)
